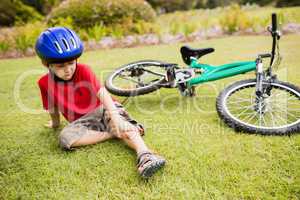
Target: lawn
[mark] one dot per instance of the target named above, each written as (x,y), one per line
(206,159)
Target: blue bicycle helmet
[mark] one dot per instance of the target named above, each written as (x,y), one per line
(58,44)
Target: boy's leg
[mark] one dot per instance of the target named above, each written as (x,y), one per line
(134,140)
(92,137)
(79,135)
(89,129)
(148,163)
(130,132)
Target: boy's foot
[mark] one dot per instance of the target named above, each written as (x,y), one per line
(149,163)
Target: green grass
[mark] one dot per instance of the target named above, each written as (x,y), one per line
(206,159)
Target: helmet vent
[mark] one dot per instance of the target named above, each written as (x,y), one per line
(66,44)
(58,47)
(73,43)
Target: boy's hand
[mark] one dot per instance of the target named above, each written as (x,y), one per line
(50,124)
(120,127)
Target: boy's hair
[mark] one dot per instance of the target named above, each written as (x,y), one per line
(57,45)
(45,63)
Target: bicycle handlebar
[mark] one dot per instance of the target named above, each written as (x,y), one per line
(274,22)
(276,35)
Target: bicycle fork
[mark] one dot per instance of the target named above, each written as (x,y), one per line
(262,90)
(259,77)
(260,74)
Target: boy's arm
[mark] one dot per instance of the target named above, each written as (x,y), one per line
(119,125)
(55,118)
(107,101)
(52,109)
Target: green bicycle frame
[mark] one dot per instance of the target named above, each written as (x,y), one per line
(211,73)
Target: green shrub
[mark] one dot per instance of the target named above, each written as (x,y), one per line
(25,14)
(116,31)
(23,42)
(281,17)
(4,46)
(143,27)
(26,36)
(223,3)
(6,39)
(235,19)
(14,11)
(185,28)
(108,12)
(189,28)
(97,32)
(173,5)
(285,3)
(8,13)
(62,21)
(83,35)
(175,27)
(43,6)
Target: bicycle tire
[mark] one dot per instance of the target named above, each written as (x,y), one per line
(137,91)
(239,126)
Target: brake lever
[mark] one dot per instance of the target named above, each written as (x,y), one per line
(269,29)
(266,55)
(277,33)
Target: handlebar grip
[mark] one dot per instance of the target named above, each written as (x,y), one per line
(274,22)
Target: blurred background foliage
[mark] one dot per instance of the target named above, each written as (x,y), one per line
(21,21)
(163,6)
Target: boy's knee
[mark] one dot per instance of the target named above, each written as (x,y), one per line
(129,135)
(64,141)
(69,135)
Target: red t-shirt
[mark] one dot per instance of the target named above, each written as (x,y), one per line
(73,98)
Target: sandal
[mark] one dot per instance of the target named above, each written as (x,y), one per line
(141,129)
(149,163)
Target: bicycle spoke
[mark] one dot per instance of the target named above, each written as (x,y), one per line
(129,79)
(296,110)
(254,115)
(155,73)
(245,110)
(245,107)
(235,102)
(137,78)
(246,115)
(282,119)
(263,119)
(288,113)
(272,116)
(279,109)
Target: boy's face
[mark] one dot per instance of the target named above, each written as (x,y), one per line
(65,70)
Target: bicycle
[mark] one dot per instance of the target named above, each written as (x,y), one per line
(263,105)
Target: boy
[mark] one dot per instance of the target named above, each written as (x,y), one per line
(73,89)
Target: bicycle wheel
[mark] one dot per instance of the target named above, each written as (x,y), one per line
(275,113)
(137,78)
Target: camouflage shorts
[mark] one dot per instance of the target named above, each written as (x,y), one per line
(96,120)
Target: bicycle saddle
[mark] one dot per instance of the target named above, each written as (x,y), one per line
(188,52)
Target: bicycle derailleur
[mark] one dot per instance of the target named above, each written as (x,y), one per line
(179,78)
